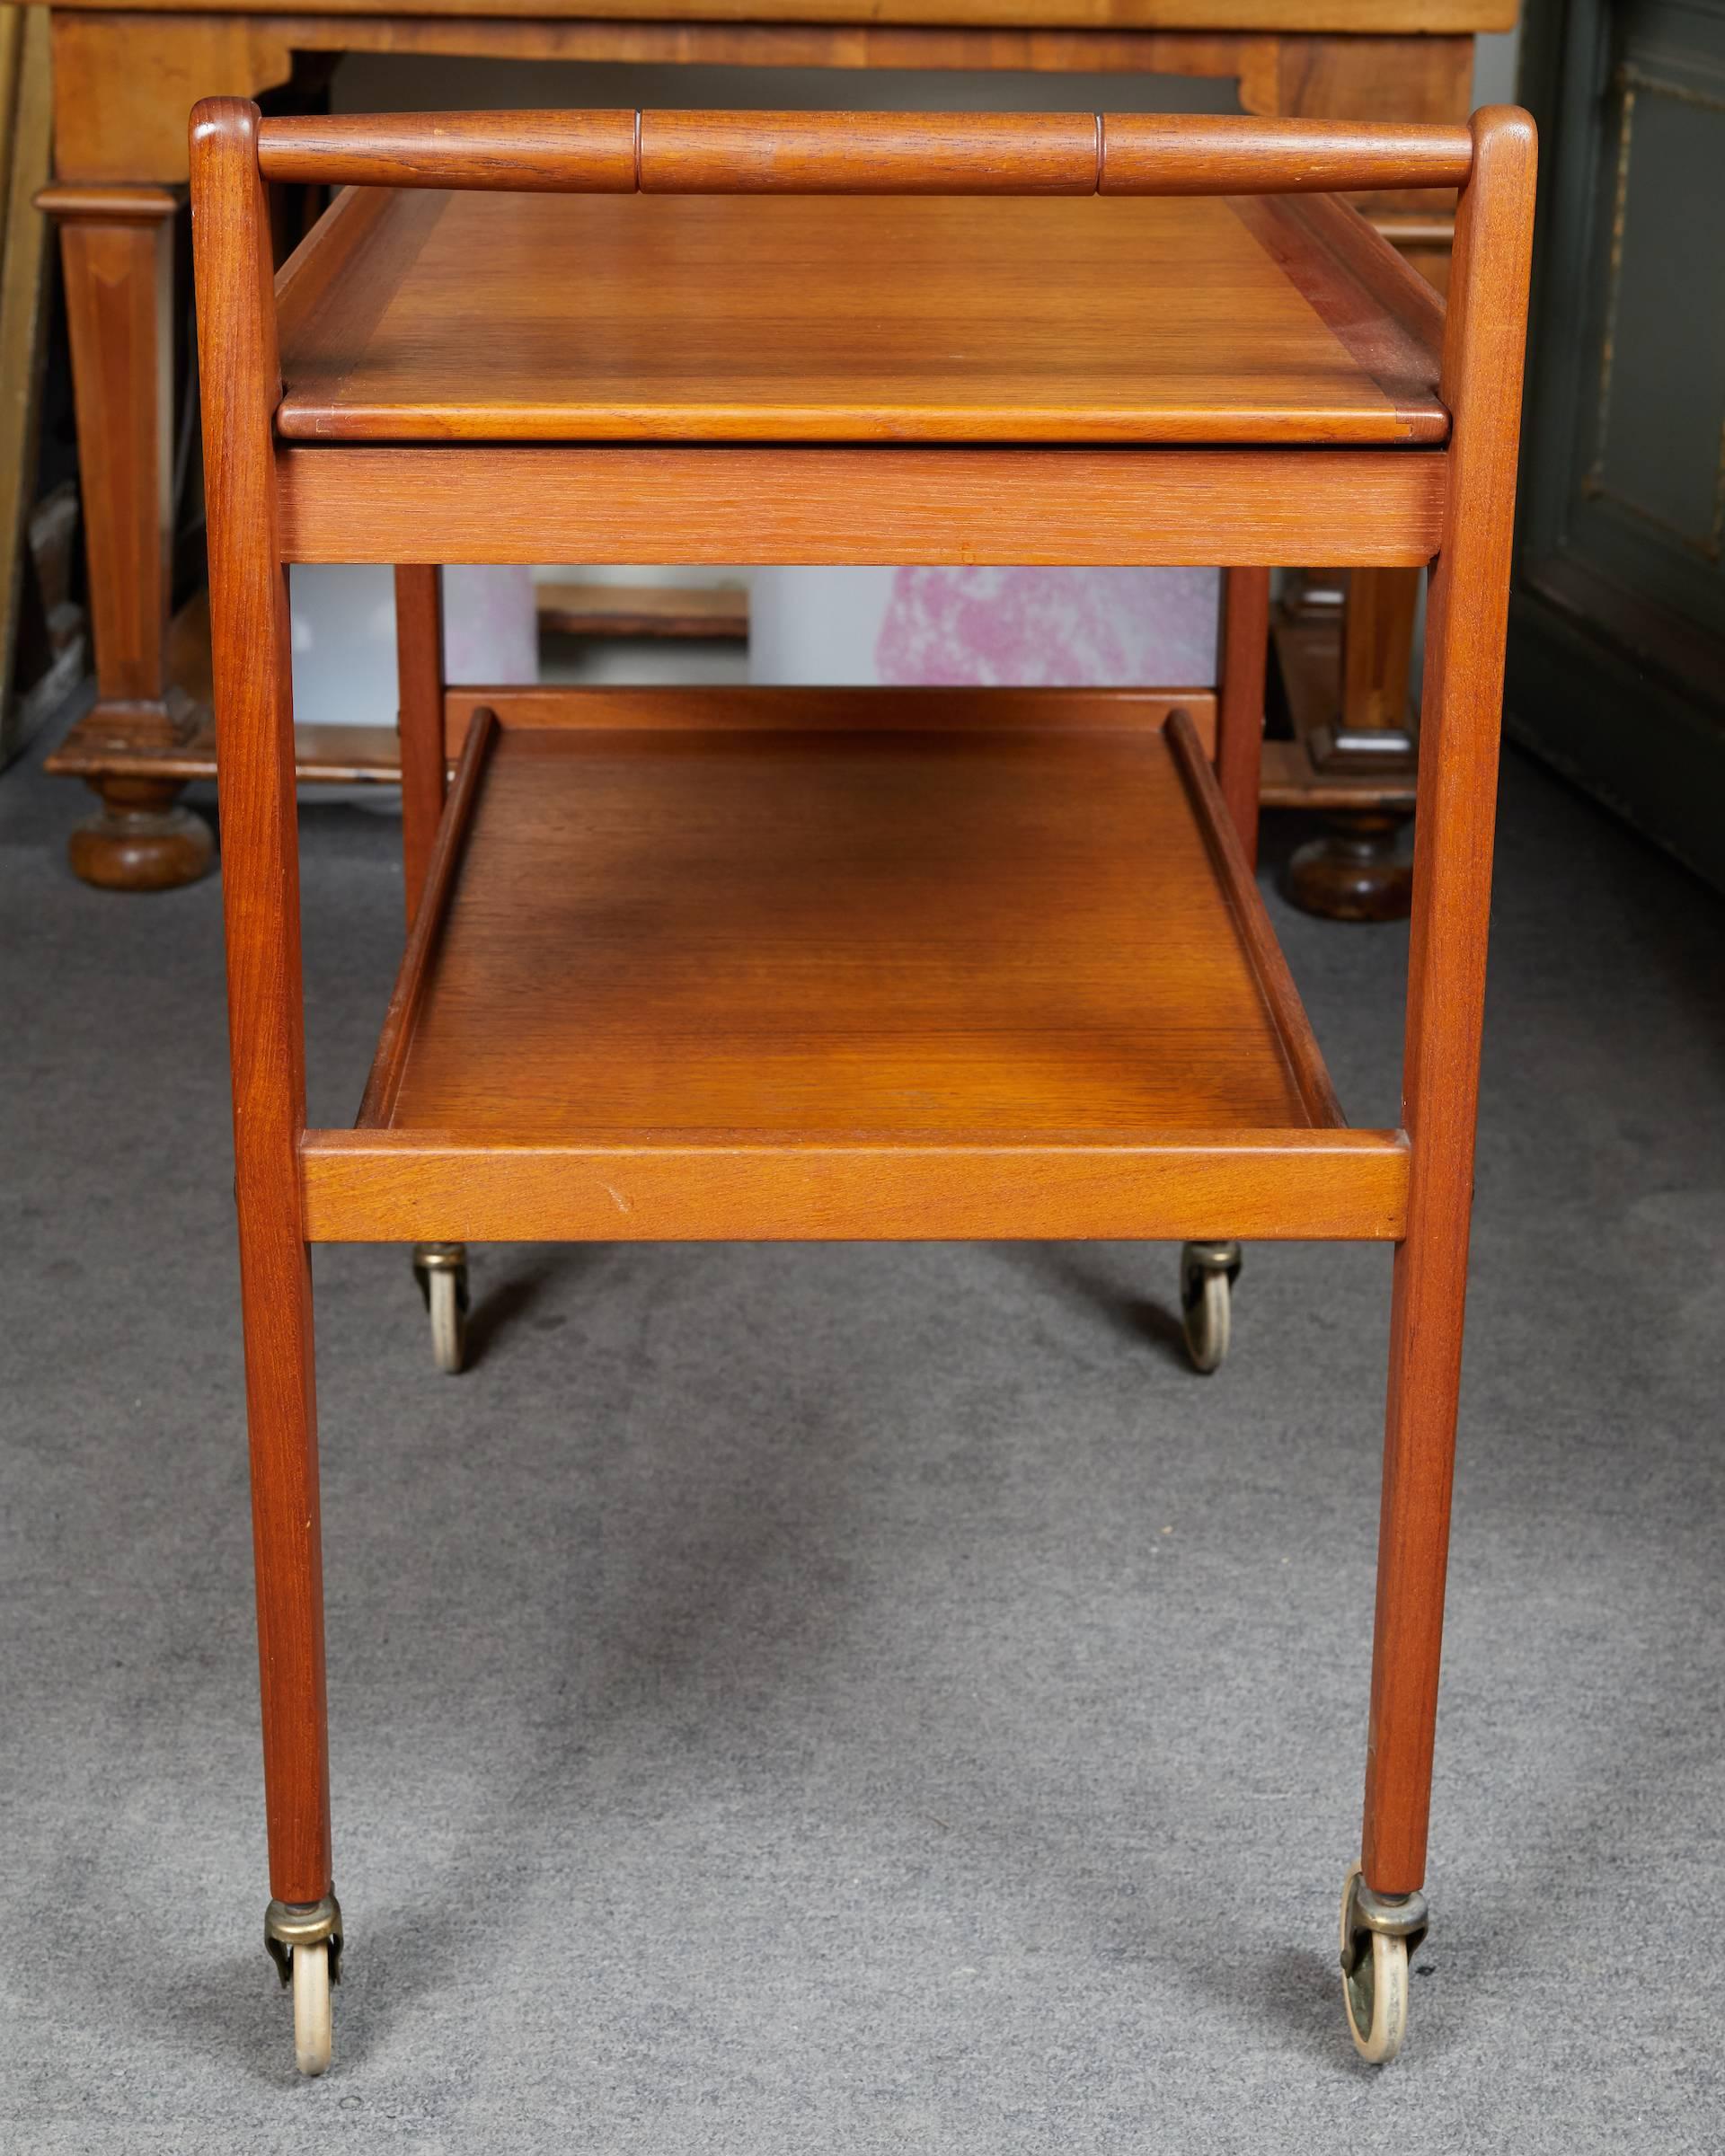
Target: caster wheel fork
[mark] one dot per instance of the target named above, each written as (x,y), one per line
(304,1942)
(1380,1935)
(441,1269)
(1207,1272)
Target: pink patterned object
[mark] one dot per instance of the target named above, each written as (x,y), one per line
(1050,628)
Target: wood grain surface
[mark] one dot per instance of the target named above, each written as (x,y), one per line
(1357,18)
(249,628)
(367,1186)
(426,923)
(737,503)
(117,248)
(683,613)
(850,151)
(1182,152)
(960,932)
(764,152)
(590,151)
(868,153)
(1235,879)
(1236,744)
(419,668)
(1462,711)
(707,709)
(596,317)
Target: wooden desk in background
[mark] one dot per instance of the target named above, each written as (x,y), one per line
(126,78)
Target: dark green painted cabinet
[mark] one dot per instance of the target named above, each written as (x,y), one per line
(1617,630)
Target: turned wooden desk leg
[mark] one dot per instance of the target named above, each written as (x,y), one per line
(1358,868)
(117,249)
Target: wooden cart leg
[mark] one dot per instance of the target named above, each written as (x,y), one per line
(440,1267)
(1458,766)
(1242,660)
(418,667)
(281,1414)
(1208,1271)
(249,627)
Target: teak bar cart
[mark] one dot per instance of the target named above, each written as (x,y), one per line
(784,964)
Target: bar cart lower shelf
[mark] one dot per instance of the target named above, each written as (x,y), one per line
(843,964)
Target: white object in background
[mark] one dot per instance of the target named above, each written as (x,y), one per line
(816,626)
(490,630)
(344,638)
(1005,628)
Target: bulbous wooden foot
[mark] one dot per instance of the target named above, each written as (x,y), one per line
(1357,869)
(143,838)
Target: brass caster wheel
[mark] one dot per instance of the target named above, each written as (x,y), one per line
(304,1942)
(442,1271)
(1207,1272)
(1379,1936)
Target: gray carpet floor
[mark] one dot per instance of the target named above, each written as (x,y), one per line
(863,1699)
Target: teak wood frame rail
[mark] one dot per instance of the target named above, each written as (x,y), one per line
(862,152)
(266,507)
